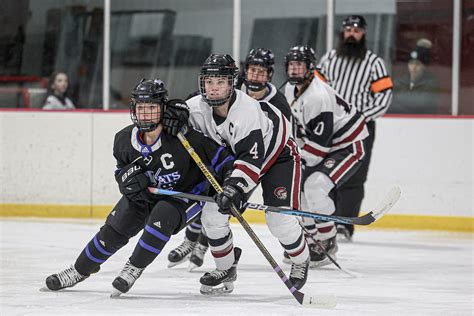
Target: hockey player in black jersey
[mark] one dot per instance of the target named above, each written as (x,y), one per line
(331,134)
(264,153)
(147,156)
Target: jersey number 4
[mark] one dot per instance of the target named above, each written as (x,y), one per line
(254,151)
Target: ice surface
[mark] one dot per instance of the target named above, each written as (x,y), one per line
(402,273)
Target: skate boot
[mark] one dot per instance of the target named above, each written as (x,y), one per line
(125,280)
(299,274)
(211,280)
(63,279)
(286,258)
(181,253)
(318,256)
(343,234)
(197,256)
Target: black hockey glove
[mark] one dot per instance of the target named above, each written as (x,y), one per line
(232,193)
(133,183)
(176,117)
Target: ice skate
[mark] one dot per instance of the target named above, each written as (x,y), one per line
(197,256)
(125,280)
(286,258)
(343,234)
(181,253)
(299,274)
(221,281)
(318,256)
(64,279)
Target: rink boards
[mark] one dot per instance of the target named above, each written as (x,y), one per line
(57,164)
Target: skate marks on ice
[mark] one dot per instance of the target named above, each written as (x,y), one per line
(402,272)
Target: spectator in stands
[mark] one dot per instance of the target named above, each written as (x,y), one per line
(417,91)
(56,98)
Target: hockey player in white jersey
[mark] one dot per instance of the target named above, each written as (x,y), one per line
(258,72)
(264,153)
(330,133)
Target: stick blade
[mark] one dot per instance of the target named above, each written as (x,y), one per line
(392,197)
(320,301)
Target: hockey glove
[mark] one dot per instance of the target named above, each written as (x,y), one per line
(133,183)
(232,193)
(176,117)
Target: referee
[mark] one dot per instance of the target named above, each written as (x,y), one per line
(361,78)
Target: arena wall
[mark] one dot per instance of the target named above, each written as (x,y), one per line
(60,164)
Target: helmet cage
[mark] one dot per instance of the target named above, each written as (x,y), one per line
(301,53)
(232,81)
(260,57)
(148,91)
(218,66)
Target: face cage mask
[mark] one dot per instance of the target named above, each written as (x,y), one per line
(299,80)
(145,126)
(256,85)
(216,102)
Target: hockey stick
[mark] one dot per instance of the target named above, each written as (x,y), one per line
(318,243)
(320,301)
(385,205)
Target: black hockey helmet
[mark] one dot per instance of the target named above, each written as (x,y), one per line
(262,57)
(218,65)
(301,53)
(354,21)
(148,91)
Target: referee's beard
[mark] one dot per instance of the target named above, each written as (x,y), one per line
(351,48)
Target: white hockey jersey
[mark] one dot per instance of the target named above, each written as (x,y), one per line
(322,121)
(255,137)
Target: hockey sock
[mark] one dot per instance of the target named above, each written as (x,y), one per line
(193,230)
(104,244)
(326,230)
(203,240)
(222,250)
(310,230)
(163,221)
(298,251)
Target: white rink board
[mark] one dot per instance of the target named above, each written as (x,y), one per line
(402,273)
(66,158)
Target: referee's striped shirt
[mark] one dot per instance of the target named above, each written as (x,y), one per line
(365,83)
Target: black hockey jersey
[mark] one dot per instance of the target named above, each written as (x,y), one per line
(169,164)
(276,98)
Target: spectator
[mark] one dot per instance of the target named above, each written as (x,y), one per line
(417,90)
(360,77)
(56,98)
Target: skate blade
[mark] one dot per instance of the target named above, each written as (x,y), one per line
(192,267)
(343,239)
(115,294)
(174,264)
(322,263)
(226,288)
(46,289)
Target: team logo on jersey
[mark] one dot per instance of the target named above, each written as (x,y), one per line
(166,181)
(281,193)
(329,163)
